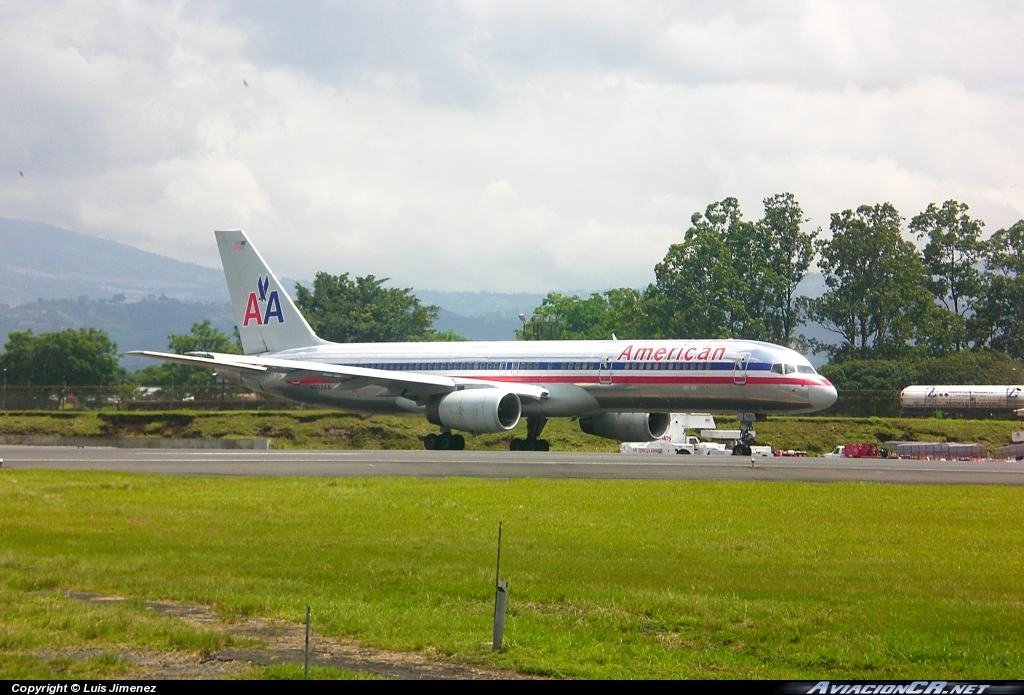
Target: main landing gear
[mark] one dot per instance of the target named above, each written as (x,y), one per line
(445,441)
(534,426)
(747,435)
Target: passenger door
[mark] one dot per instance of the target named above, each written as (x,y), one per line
(739,370)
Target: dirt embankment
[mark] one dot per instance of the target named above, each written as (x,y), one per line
(283,643)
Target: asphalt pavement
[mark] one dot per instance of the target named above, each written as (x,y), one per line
(501,465)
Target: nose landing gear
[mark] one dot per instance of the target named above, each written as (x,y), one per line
(747,435)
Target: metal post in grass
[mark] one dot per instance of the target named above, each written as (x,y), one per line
(500,600)
(306,660)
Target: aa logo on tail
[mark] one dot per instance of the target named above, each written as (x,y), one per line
(269,301)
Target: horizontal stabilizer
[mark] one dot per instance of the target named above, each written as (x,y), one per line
(208,360)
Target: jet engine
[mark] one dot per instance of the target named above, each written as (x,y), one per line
(627,427)
(476,410)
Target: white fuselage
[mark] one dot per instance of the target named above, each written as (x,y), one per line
(925,399)
(583,377)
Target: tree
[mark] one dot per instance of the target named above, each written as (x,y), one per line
(203,336)
(952,256)
(445,336)
(597,317)
(76,357)
(789,253)
(977,366)
(877,298)
(874,375)
(363,310)
(734,278)
(1000,318)
(698,292)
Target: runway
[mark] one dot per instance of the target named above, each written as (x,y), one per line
(503,465)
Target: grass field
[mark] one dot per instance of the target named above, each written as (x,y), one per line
(325,429)
(607,578)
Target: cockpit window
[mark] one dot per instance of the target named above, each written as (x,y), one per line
(777,368)
(789,368)
(805,369)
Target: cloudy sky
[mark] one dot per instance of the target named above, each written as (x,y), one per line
(501,146)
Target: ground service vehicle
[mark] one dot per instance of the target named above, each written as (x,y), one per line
(855,451)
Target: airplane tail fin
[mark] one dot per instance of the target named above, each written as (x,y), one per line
(267,319)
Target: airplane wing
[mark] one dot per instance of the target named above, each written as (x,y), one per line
(414,385)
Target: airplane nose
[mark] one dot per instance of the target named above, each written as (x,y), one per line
(823,396)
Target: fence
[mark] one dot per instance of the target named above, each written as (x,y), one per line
(1013,451)
(865,403)
(937,450)
(138,398)
(886,403)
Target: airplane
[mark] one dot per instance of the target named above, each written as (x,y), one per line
(926,399)
(619,389)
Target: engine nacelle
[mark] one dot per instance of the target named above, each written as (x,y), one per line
(627,427)
(476,410)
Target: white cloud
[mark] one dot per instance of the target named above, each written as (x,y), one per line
(496,146)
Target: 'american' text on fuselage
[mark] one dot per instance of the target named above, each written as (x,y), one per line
(684,353)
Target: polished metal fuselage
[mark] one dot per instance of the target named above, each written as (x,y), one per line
(583,377)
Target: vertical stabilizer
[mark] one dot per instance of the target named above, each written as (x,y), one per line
(267,319)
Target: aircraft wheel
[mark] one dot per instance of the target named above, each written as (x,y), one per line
(444,441)
(458,442)
(542,445)
(741,450)
(430,442)
(516,444)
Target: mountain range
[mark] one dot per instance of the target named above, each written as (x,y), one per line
(53,278)
(39,261)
